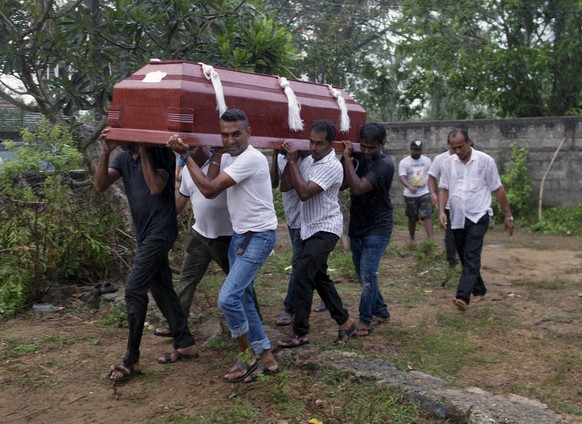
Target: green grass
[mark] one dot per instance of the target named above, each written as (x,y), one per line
(14,348)
(235,412)
(557,284)
(342,398)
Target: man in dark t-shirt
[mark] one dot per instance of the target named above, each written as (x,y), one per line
(369,176)
(148,177)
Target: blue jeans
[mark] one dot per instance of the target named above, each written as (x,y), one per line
(297,244)
(366,254)
(151,270)
(469,243)
(236,295)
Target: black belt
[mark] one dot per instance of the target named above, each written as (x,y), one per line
(245,243)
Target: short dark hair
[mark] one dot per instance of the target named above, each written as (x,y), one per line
(456,131)
(373,133)
(235,115)
(323,125)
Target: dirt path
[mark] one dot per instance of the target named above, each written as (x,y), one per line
(53,365)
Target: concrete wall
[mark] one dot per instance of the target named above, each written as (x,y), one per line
(541,137)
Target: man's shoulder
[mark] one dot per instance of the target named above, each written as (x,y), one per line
(405,161)
(251,154)
(442,156)
(481,154)
(382,162)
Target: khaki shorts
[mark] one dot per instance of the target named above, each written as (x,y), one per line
(418,207)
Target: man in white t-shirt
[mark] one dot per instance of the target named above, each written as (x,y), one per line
(467,181)
(245,178)
(413,172)
(208,239)
(317,181)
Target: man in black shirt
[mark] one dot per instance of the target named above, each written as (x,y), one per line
(370,218)
(148,177)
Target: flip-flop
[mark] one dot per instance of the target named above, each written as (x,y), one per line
(363,332)
(320,308)
(254,375)
(344,335)
(460,304)
(240,366)
(284,320)
(294,340)
(126,372)
(161,333)
(171,357)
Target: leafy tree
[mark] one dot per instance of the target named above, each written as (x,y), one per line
(346,44)
(515,58)
(69,54)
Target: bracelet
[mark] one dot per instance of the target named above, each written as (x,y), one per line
(213,162)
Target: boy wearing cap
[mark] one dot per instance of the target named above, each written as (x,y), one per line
(413,172)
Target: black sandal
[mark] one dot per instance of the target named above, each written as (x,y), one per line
(261,369)
(293,340)
(344,335)
(240,366)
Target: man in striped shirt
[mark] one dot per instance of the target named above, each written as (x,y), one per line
(317,182)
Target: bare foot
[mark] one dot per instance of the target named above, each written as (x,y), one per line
(269,360)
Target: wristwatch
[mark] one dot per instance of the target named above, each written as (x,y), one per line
(509,218)
(185,156)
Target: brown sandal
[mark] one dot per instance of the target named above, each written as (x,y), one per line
(171,357)
(126,371)
(293,340)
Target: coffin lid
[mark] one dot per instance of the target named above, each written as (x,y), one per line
(166,98)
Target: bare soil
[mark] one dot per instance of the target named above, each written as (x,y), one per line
(529,342)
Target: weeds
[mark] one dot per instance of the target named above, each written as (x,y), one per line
(52,229)
(116,317)
(341,398)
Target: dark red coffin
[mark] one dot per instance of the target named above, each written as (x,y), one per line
(175,97)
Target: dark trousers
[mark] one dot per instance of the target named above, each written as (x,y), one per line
(151,270)
(310,275)
(469,244)
(450,249)
(199,251)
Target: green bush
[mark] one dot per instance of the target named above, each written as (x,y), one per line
(563,221)
(54,229)
(518,186)
(278,202)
